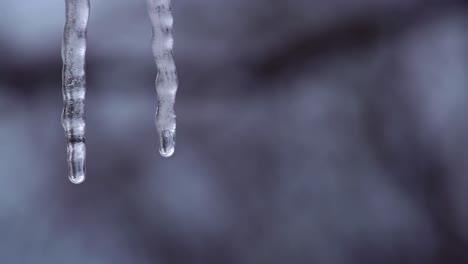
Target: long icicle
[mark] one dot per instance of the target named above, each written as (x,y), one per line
(74,86)
(160,14)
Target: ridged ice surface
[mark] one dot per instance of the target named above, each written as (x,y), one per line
(74,86)
(166,81)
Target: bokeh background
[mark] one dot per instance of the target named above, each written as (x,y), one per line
(309,131)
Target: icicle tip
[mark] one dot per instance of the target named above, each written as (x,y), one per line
(77,179)
(167,143)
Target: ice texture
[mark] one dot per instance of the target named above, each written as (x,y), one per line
(74,86)
(160,14)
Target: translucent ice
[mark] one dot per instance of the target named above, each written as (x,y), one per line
(74,86)
(166,81)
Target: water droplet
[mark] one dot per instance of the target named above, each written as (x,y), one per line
(76,162)
(77,179)
(167,143)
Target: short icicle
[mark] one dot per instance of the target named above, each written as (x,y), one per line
(74,86)
(160,14)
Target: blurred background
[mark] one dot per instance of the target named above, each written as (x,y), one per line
(309,131)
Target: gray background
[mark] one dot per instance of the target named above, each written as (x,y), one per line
(309,131)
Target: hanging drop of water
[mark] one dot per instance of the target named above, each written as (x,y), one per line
(160,14)
(74,86)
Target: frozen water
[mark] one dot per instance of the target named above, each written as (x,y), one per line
(166,81)
(74,86)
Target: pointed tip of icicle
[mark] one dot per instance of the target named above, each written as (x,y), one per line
(77,179)
(76,161)
(166,152)
(167,143)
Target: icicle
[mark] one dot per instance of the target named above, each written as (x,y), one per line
(166,81)
(74,86)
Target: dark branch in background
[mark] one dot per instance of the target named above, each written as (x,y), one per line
(355,34)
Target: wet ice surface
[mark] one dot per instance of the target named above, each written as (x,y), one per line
(160,14)
(74,86)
